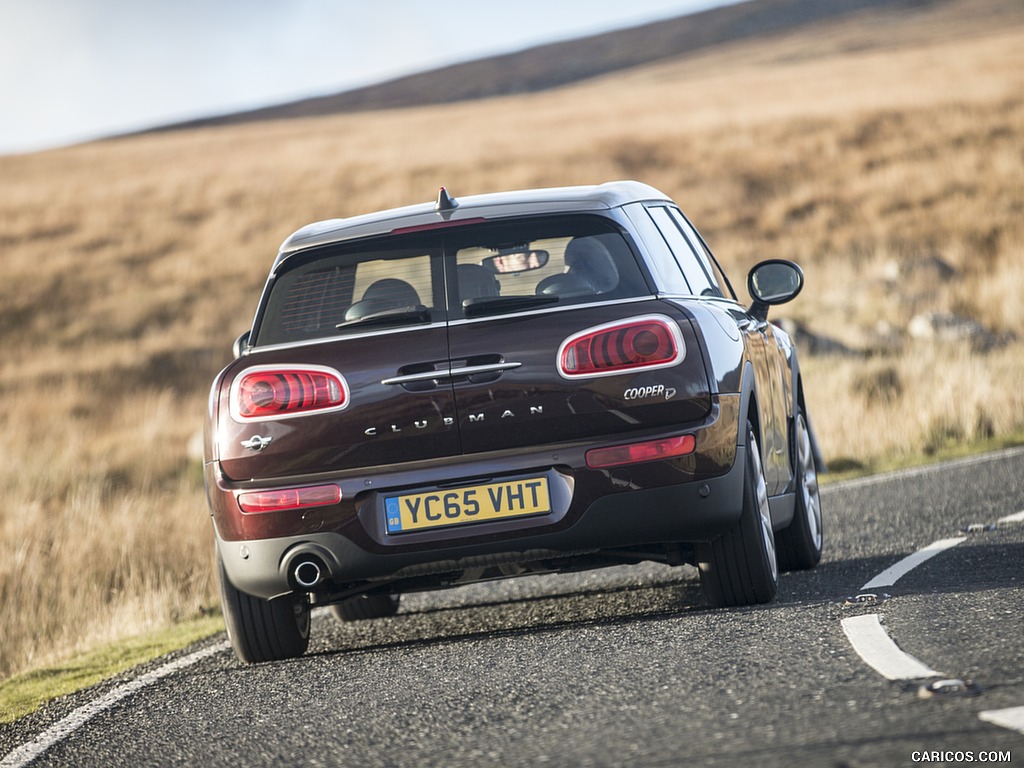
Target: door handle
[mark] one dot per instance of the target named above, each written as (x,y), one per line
(451,373)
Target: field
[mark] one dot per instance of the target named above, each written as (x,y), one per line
(892,171)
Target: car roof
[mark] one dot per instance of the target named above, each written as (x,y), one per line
(491,206)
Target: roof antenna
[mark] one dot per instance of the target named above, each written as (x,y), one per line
(445,202)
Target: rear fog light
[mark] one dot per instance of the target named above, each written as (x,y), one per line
(635,453)
(289,498)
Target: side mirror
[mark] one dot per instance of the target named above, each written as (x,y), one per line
(772,282)
(241,344)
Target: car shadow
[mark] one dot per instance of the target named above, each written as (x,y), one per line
(445,618)
(553,604)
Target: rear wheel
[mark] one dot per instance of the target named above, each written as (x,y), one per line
(366,607)
(740,567)
(800,543)
(263,630)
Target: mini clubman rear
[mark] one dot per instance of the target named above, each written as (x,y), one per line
(500,385)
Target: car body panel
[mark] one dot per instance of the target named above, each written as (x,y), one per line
(533,403)
(385,423)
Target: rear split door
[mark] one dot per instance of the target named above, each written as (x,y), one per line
(342,371)
(561,338)
(482,337)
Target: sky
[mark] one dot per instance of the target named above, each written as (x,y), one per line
(74,70)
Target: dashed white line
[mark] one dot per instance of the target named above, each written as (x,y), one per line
(1012,718)
(28,752)
(894,573)
(873,644)
(869,638)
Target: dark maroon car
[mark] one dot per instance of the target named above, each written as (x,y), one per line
(508,384)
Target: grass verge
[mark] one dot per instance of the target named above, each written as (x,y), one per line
(25,693)
(847,469)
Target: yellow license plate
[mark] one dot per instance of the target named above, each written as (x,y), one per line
(473,504)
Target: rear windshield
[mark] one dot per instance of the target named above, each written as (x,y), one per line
(476,270)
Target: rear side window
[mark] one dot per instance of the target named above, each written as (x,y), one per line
(711,267)
(695,266)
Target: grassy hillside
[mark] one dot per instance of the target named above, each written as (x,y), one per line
(894,174)
(570,61)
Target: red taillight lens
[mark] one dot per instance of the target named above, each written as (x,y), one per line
(634,453)
(289,498)
(267,393)
(640,343)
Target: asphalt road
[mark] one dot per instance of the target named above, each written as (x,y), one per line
(626,666)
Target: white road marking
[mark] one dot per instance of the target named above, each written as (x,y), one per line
(28,752)
(891,575)
(873,644)
(1012,718)
(1017,517)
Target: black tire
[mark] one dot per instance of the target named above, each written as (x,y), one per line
(263,630)
(740,567)
(800,543)
(366,607)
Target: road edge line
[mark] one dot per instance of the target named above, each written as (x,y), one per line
(26,753)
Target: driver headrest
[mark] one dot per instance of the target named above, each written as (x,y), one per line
(588,256)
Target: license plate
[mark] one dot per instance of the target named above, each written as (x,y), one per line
(472,504)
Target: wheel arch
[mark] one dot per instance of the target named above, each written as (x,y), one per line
(749,406)
(800,402)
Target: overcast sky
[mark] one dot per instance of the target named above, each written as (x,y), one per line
(72,70)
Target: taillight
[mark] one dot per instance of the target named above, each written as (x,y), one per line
(289,498)
(634,453)
(271,392)
(640,343)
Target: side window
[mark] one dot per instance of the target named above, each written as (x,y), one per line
(659,256)
(710,265)
(701,283)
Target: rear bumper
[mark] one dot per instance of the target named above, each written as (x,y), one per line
(602,510)
(689,512)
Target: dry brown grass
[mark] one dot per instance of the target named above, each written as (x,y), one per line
(130,265)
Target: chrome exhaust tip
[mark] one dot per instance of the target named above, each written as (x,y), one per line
(307,573)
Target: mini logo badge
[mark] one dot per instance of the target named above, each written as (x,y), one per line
(256,443)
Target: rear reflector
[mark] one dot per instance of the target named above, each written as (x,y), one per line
(271,392)
(289,498)
(640,343)
(634,453)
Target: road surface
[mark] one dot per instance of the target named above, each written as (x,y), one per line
(906,645)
